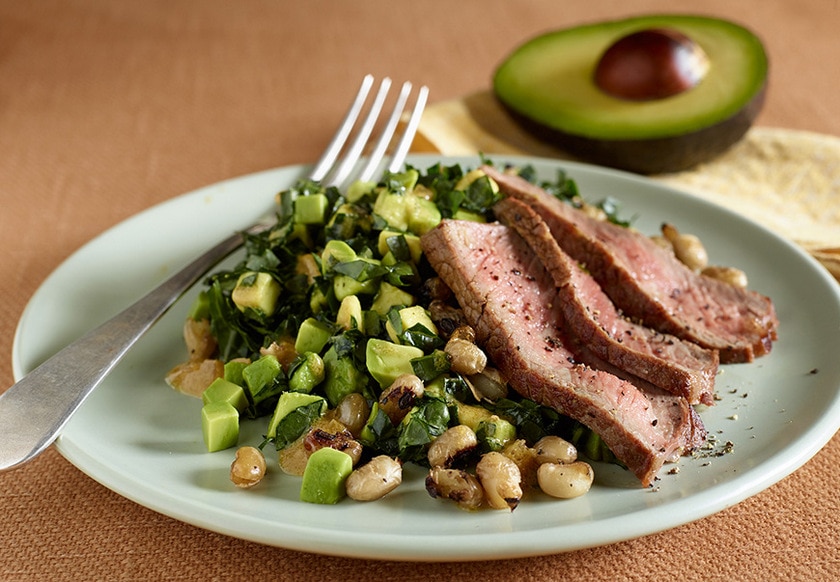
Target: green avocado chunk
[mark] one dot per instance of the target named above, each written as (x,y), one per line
(324,476)
(548,85)
(221,390)
(386,360)
(219,426)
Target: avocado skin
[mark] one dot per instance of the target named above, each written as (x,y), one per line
(650,156)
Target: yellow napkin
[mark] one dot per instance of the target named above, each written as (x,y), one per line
(786,180)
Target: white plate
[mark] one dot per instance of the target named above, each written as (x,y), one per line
(141,439)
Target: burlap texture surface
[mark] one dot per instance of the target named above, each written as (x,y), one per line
(107,108)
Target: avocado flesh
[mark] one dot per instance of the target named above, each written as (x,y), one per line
(547,85)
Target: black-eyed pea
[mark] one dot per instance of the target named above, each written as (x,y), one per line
(456,485)
(553,449)
(374,479)
(501,480)
(453,446)
(446,317)
(565,481)
(464,332)
(525,458)
(663,242)
(488,384)
(334,435)
(352,411)
(396,400)
(465,357)
(193,378)
(248,467)
(688,248)
(729,275)
(199,339)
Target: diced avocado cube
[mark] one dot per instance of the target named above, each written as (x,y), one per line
(393,209)
(389,260)
(312,336)
(411,316)
(342,377)
(349,314)
(336,251)
(318,300)
(412,240)
(471,415)
(494,433)
(288,403)
(346,221)
(261,373)
(258,291)
(324,476)
(307,373)
(233,371)
(311,209)
(200,308)
(386,360)
(407,179)
(358,190)
(464,182)
(344,286)
(462,214)
(220,426)
(423,216)
(389,296)
(221,390)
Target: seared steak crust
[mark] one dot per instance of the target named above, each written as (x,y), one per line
(510,300)
(648,283)
(595,325)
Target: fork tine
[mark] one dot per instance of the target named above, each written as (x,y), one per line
(387,133)
(330,154)
(338,172)
(411,128)
(354,152)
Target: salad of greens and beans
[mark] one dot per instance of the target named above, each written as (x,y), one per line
(335,333)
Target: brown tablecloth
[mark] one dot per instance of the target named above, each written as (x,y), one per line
(107,108)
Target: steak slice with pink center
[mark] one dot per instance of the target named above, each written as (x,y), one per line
(511,301)
(592,320)
(646,282)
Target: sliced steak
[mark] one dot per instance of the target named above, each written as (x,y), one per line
(511,301)
(646,282)
(595,325)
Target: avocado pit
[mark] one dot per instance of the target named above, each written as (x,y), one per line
(651,64)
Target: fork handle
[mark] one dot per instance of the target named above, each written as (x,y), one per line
(35,409)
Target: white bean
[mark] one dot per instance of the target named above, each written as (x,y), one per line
(489,384)
(730,275)
(565,481)
(457,485)
(452,446)
(399,397)
(501,480)
(553,449)
(688,248)
(374,479)
(465,357)
(248,467)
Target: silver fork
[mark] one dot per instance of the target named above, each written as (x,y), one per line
(35,409)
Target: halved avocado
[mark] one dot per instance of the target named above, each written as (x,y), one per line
(548,85)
